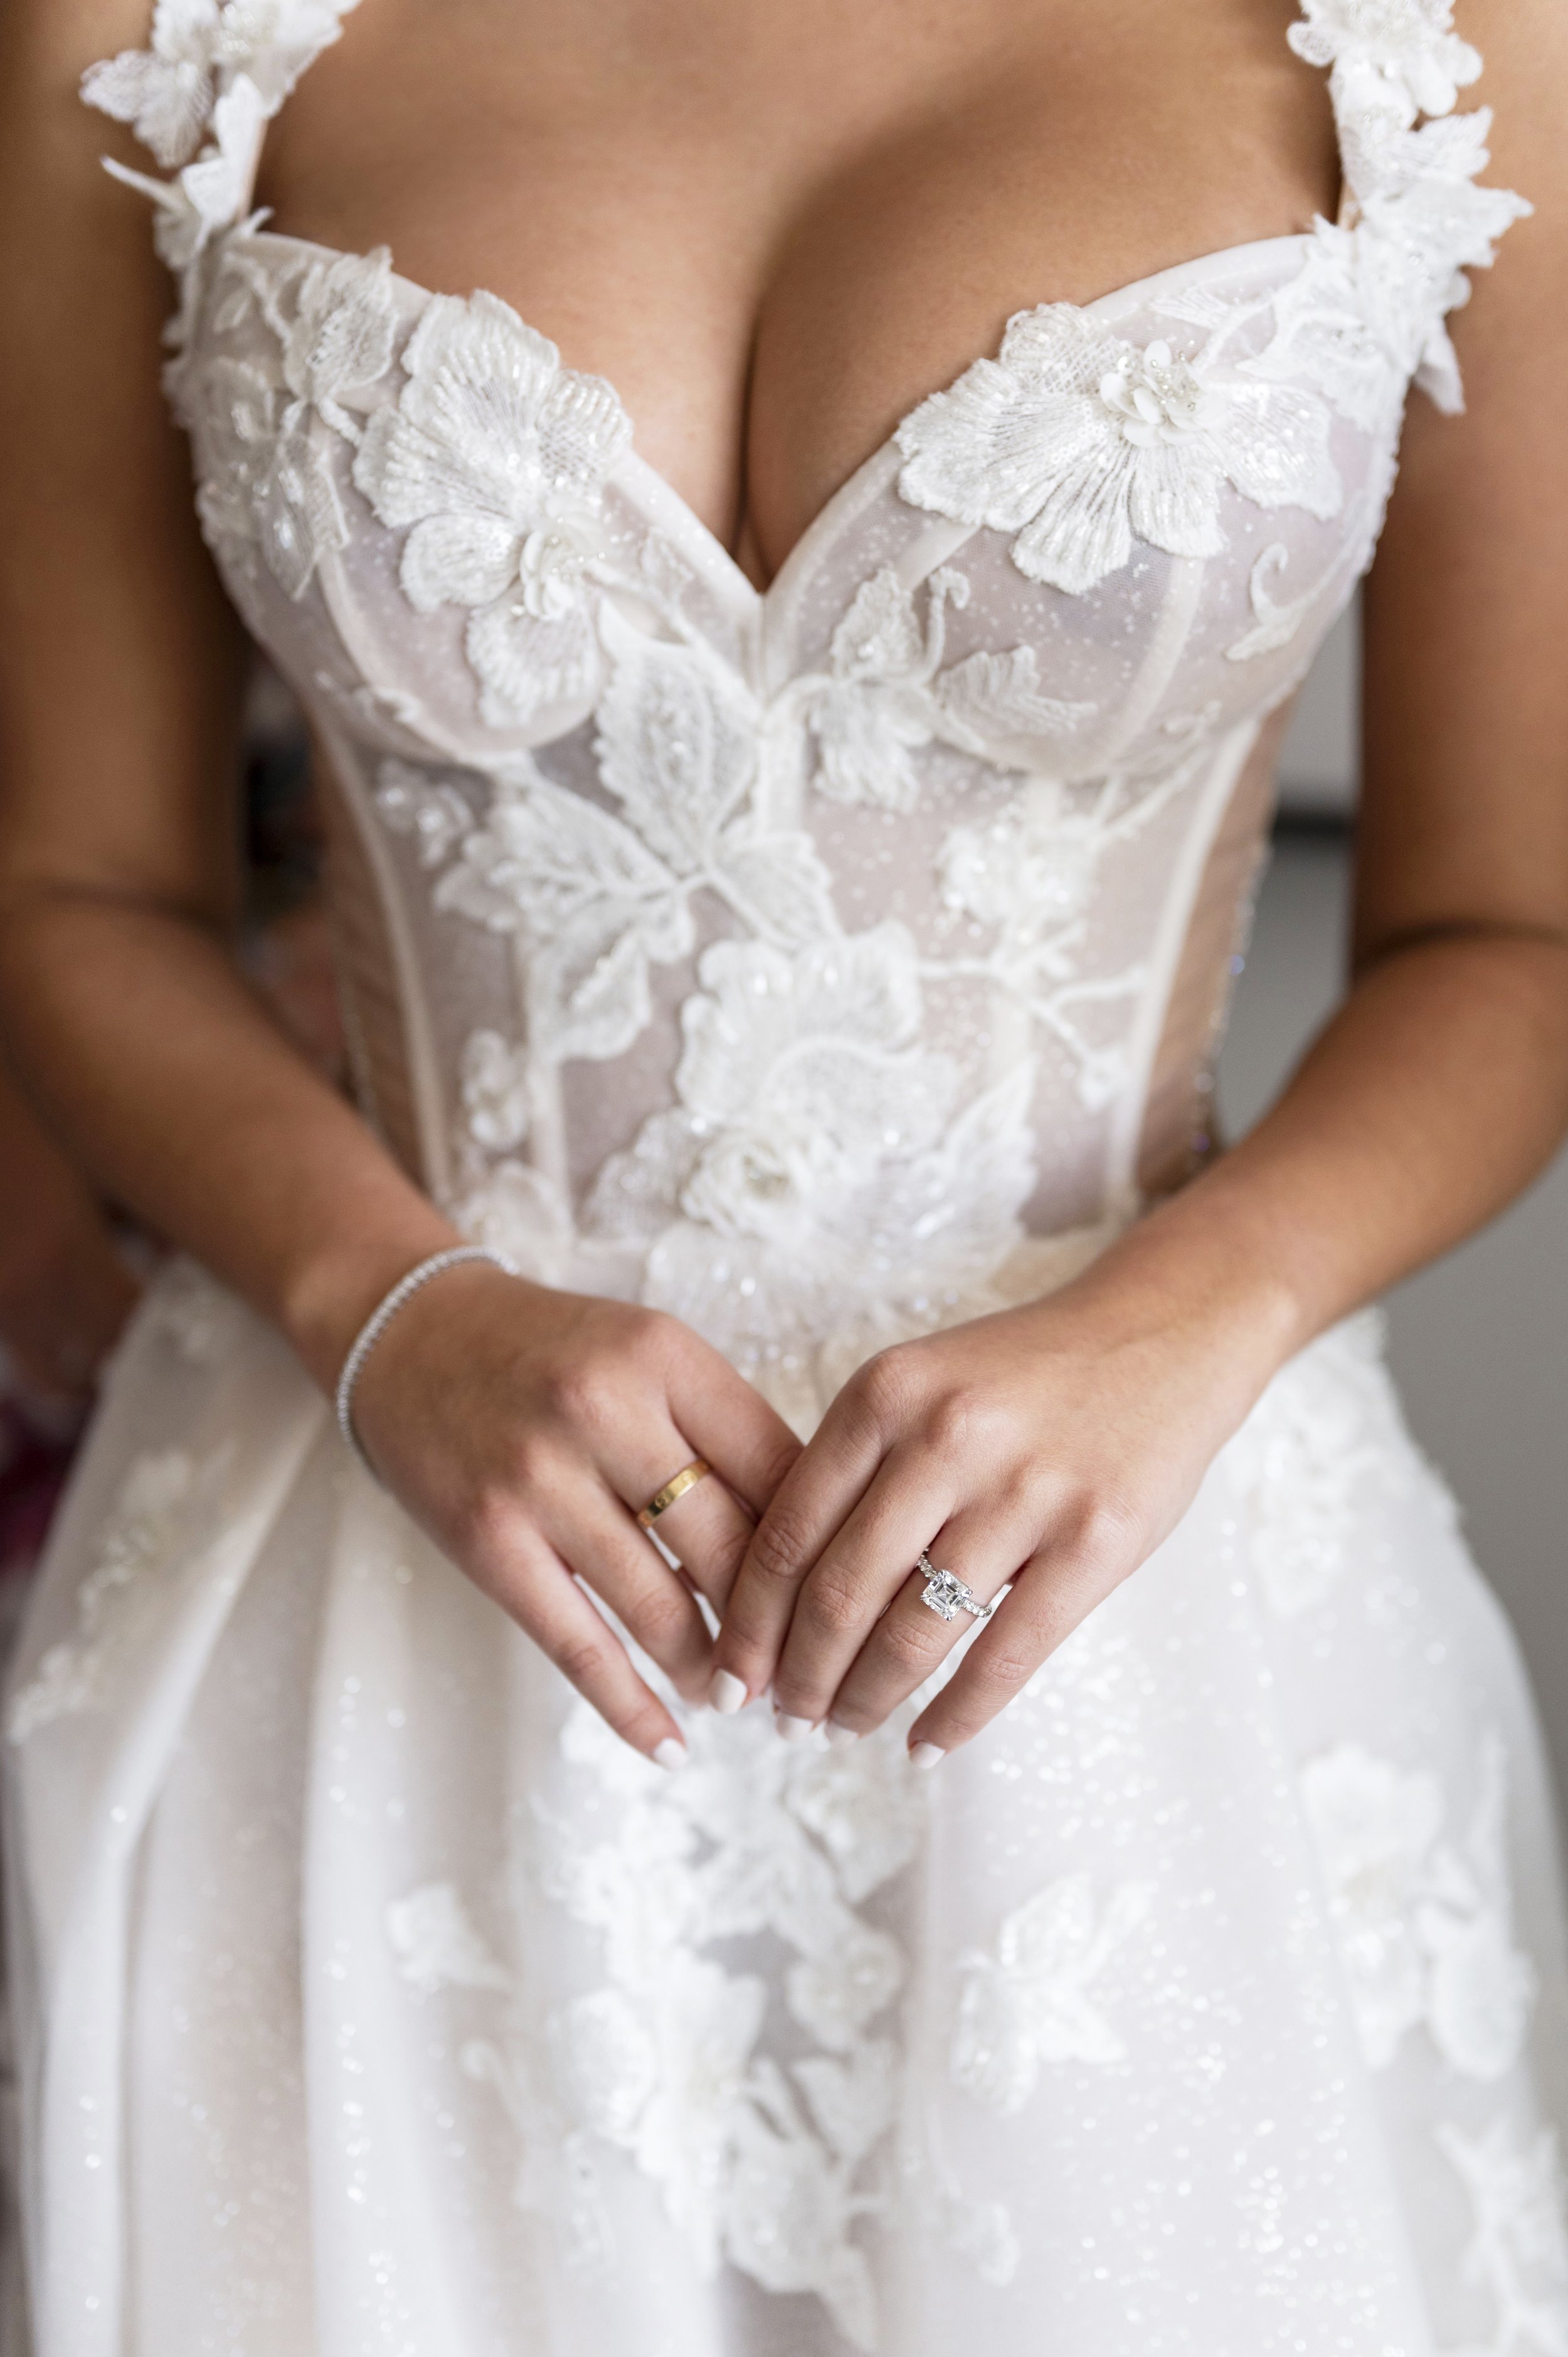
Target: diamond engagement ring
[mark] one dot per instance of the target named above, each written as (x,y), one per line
(947,1596)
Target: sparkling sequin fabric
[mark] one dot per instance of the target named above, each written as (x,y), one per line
(805,964)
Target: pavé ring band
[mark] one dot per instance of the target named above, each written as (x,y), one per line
(947,1596)
(676,1486)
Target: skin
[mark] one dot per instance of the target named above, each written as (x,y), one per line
(776,231)
(65,1292)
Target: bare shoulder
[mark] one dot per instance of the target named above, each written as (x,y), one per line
(50,141)
(47,45)
(77,267)
(1467,706)
(1524,50)
(1513,335)
(104,578)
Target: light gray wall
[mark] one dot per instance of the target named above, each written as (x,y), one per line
(1479,1343)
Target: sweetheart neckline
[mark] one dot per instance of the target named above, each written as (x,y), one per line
(674,513)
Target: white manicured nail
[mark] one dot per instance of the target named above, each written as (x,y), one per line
(838,1736)
(669,1753)
(794,1730)
(925,1756)
(727,1692)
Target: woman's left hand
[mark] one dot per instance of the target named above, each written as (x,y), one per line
(1052,1447)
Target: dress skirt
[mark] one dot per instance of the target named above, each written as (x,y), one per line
(373,2000)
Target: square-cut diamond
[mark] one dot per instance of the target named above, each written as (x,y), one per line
(944,1594)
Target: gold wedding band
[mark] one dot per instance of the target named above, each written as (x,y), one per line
(676,1486)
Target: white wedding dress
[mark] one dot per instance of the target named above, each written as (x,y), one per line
(822,966)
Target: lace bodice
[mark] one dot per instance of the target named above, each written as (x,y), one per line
(819,963)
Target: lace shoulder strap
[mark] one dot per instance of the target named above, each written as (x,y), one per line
(200,96)
(1410,165)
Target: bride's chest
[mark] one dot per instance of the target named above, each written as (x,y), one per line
(1123,535)
(775,231)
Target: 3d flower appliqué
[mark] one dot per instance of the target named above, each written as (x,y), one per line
(1424,1922)
(1031,2002)
(1081,444)
(815,1135)
(166,91)
(1516,2255)
(495,459)
(1402,54)
(209,194)
(767,2164)
(199,48)
(1325,1438)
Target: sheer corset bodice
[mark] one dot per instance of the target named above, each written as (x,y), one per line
(812,963)
(824,965)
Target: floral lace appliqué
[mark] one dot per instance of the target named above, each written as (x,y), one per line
(767,2165)
(1517,2253)
(270,484)
(199,48)
(168,1508)
(494,460)
(216,73)
(1080,443)
(1027,877)
(599,896)
(1326,1436)
(1402,56)
(888,694)
(1424,1922)
(1030,2004)
(439,1949)
(437,1944)
(815,1137)
(495,1092)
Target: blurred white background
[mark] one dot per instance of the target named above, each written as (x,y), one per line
(1480,1342)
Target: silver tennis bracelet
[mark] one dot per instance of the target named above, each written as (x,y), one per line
(381,1317)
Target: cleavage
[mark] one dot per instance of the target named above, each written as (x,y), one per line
(773,262)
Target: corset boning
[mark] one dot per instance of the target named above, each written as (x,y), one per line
(821,965)
(410,1108)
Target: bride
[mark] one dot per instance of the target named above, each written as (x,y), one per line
(795,667)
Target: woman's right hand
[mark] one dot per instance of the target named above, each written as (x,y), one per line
(523,1428)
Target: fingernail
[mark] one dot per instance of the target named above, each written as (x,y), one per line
(925,1756)
(838,1736)
(794,1730)
(727,1692)
(669,1753)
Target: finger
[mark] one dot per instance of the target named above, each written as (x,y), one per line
(597,1540)
(536,1587)
(706,1529)
(857,1580)
(1056,1590)
(730,1424)
(912,1640)
(820,1488)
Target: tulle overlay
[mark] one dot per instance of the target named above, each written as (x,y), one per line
(1214,1999)
(825,967)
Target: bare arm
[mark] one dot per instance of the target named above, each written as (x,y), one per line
(1056,1444)
(516,1423)
(65,1292)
